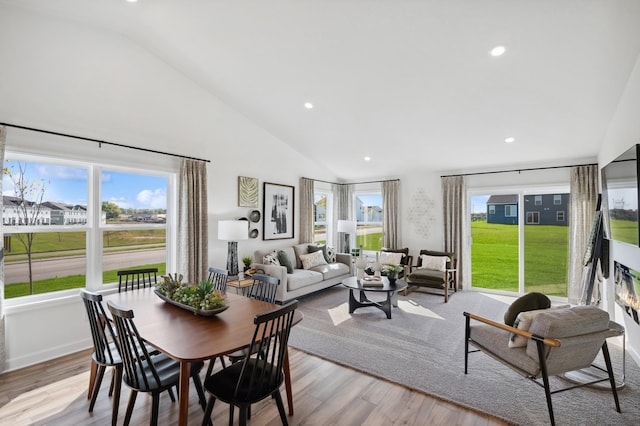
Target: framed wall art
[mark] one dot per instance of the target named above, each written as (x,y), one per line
(277,213)
(247,192)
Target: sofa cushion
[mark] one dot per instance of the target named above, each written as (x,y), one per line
(331,254)
(285,261)
(300,249)
(427,277)
(332,270)
(323,248)
(528,302)
(436,263)
(312,259)
(271,258)
(302,278)
(387,258)
(404,251)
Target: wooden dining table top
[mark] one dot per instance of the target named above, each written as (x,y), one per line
(185,336)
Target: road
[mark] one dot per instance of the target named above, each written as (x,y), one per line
(15,272)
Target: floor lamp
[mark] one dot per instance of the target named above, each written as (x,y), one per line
(232,231)
(348,227)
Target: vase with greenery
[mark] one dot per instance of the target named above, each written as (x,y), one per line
(392,272)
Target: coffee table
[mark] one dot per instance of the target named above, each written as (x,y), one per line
(354,285)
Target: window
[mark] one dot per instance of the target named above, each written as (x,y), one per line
(511,210)
(53,231)
(557,199)
(320,213)
(560,216)
(533,217)
(368,215)
(538,200)
(492,209)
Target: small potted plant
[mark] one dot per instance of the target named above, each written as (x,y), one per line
(392,272)
(247,262)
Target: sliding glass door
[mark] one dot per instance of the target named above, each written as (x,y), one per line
(520,242)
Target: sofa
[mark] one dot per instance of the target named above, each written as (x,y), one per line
(307,273)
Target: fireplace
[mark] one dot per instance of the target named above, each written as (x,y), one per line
(627,290)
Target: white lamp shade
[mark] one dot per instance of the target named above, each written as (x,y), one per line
(233,230)
(348,226)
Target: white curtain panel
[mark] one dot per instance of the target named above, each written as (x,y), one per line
(3,354)
(307,188)
(453,202)
(584,200)
(193,226)
(342,210)
(391,213)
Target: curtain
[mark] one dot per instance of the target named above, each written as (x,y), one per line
(583,203)
(3,354)
(342,210)
(307,216)
(193,233)
(453,203)
(390,214)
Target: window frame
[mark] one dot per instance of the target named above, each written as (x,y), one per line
(93,227)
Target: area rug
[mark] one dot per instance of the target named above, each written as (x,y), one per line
(422,347)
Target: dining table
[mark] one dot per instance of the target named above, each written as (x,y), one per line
(187,337)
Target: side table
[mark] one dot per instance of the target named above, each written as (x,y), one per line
(240,285)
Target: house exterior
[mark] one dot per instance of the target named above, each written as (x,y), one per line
(67,214)
(543,209)
(13,213)
(502,209)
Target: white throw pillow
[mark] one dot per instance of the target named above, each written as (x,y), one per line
(271,258)
(312,259)
(387,258)
(437,263)
(523,322)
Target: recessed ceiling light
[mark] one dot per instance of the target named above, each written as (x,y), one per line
(308,105)
(367,158)
(509,139)
(498,51)
(132,1)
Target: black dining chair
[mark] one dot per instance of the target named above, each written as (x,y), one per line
(260,375)
(135,277)
(219,278)
(144,371)
(105,353)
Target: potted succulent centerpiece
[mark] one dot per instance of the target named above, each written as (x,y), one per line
(392,272)
(201,299)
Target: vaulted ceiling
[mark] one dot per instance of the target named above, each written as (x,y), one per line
(410,84)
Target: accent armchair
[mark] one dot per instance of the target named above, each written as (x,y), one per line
(557,341)
(435,270)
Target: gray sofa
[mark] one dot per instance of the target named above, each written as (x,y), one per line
(303,281)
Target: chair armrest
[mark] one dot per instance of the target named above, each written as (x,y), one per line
(344,258)
(527,335)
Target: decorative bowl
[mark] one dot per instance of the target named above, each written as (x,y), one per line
(201,312)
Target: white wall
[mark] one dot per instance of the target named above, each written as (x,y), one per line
(64,77)
(623,132)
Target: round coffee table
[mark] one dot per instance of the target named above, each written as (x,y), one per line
(353,284)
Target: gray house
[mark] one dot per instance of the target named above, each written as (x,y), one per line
(503,209)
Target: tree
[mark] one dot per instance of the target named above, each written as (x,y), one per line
(29,196)
(112,210)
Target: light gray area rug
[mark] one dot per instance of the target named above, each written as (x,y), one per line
(422,347)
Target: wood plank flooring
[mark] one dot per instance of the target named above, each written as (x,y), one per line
(55,393)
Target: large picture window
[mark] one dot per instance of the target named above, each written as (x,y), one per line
(368,214)
(59,228)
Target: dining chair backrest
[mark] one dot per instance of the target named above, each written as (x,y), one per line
(219,278)
(263,288)
(262,372)
(135,277)
(139,371)
(101,330)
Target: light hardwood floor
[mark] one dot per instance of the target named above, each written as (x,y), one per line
(55,393)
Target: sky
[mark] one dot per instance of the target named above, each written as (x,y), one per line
(69,185)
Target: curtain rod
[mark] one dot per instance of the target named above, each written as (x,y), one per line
(100,142)
(520,170)
(351,183)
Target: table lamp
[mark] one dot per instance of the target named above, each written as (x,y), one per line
(348,227)
(232,231)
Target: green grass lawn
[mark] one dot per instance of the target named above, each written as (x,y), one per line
(625,231)
(494,257)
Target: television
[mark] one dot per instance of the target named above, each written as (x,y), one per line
(620,190)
